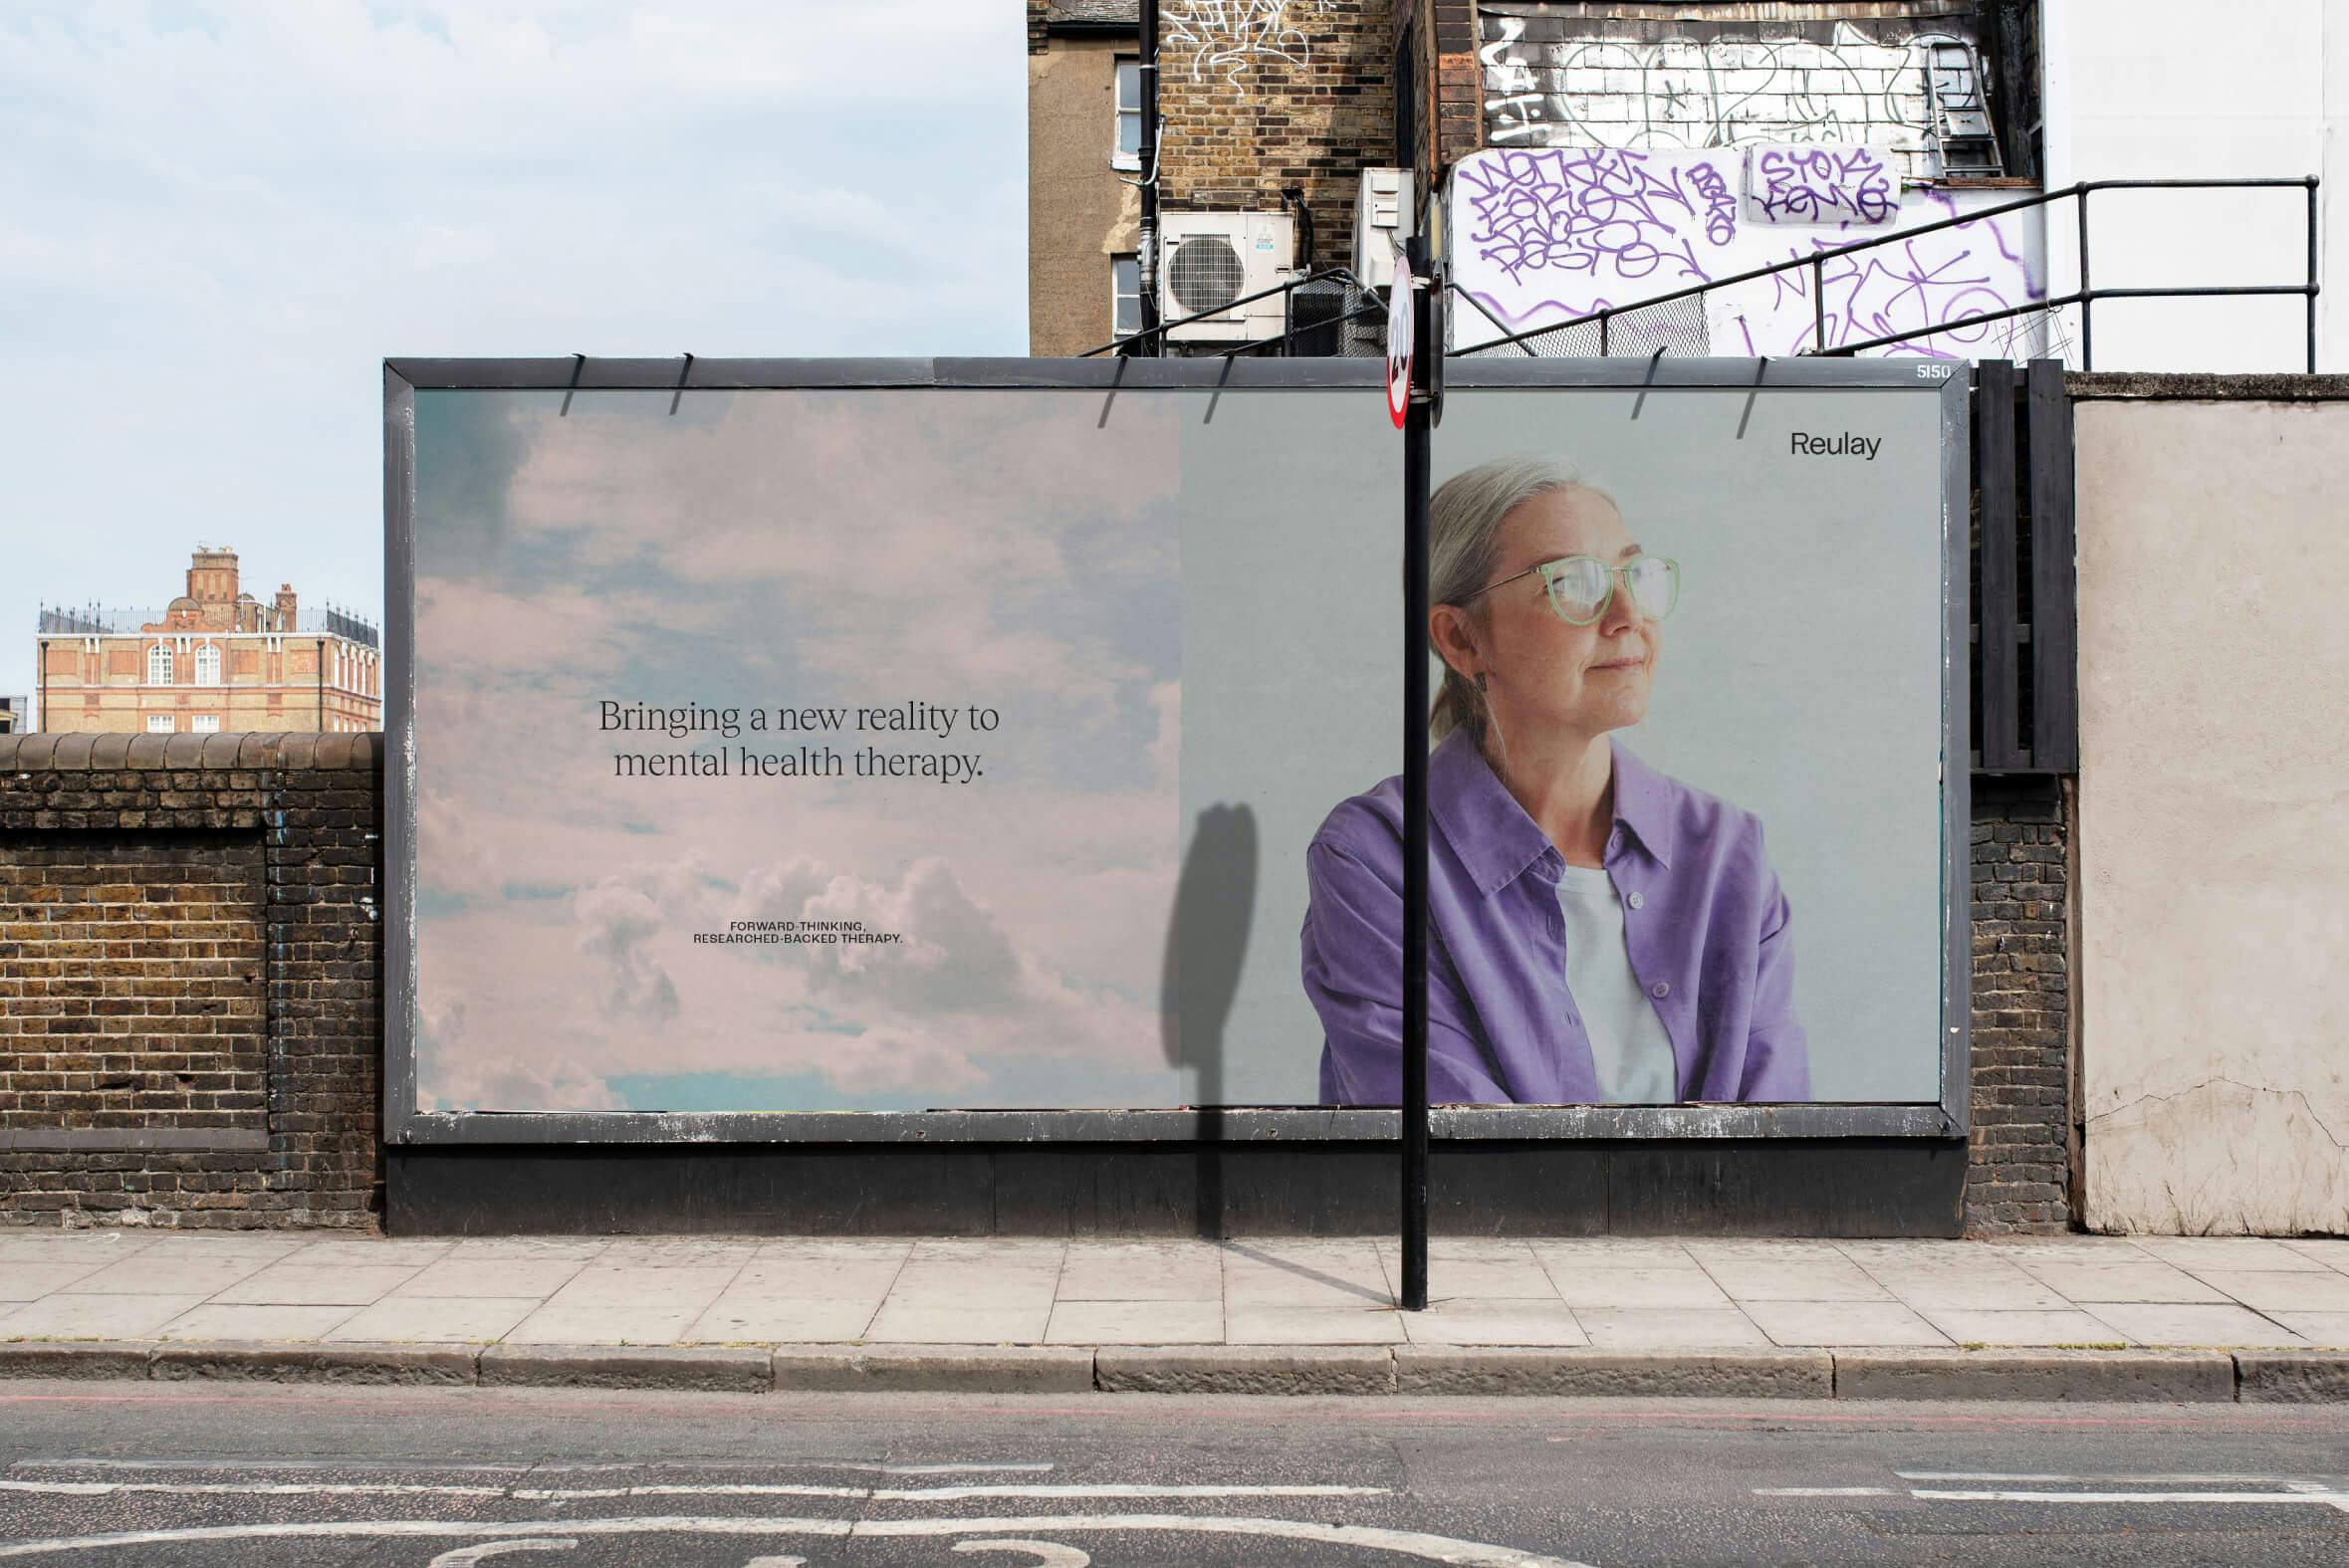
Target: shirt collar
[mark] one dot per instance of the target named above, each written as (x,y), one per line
(1644,803)
(1494,838)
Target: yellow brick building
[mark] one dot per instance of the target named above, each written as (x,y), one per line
(216,659)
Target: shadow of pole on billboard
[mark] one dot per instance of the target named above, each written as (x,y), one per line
(1206,946)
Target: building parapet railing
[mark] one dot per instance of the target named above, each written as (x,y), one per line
(2085,297)
(102,620)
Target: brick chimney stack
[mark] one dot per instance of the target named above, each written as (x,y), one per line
(284,607)
(212,576)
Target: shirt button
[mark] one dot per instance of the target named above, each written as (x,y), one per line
(1660,990)
(1635,901)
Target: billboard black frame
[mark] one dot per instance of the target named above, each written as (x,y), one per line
(404,1126)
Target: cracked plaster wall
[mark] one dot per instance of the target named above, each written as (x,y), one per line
(2214,842)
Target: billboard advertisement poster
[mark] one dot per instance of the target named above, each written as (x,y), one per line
(1021,737)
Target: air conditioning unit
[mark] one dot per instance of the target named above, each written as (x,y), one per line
(1384,217)
(1382,222)
(1215,258)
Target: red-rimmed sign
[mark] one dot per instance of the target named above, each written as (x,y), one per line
(1398,346)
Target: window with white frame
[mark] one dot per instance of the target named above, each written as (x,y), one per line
(158,666)
(208,665)
(158,724)
(1125,296)
(1126,152)
(204,722)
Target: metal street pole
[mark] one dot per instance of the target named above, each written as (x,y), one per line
(1417,421)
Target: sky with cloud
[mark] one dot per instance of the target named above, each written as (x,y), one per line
(221,217)
(793,550)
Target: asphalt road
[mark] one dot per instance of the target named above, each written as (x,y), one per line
(106,1475)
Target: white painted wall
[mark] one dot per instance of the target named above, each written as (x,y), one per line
(2182,89)
(2213,892)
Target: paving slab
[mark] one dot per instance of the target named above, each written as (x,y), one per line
(1685,1286)
(438,1319)
(934,1369)
(298,1283)
(2171,1323)
(867,1278)
(1243,1369)
(2060,1326)
(2165,1376)
(2138,1279)
(900,1322)
(1136,1323)
(489,1278)
(24,1281)
(2198,1253)
(1247,1323)
(2330,1329)
(1669,1328)
(255,1324)
(2289,1291)
(69,1316)
(710,1368)
(1492,1273)
(1113,1271)
(751,1316)
(1494,1320)
(1594,1372)
(1824,1277)
(1842,1323)
(159,1274)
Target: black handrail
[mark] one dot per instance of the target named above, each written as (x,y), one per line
(2085,297)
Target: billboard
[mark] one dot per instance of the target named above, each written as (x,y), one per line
(929,741)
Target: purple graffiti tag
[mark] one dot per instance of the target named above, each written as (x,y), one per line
(1607,215)
(1908,287)
(1822,185)
(1721,208)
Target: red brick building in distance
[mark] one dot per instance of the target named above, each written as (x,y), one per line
(216,659)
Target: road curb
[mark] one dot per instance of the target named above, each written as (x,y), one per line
(935,1369)
(1243,1369)
(1920,1375)
(64,1358)
(2292,1377)
(2104,1376)
(713,1367)
(1618,1373)
(270,1362)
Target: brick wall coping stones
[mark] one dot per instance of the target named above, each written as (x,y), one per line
(61,752)
(2196,387)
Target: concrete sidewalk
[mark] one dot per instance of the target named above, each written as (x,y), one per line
(510,1303)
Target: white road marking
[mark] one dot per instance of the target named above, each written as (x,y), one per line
(1430,1549)
(108,1488)
(548,1469)
(1047,1554)
(2336,1499)
(1822,1491)
(469,1556)
(2010,1477)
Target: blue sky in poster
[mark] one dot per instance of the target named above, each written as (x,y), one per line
(221,217)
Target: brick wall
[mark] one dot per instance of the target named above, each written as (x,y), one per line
(2019,1171)
(241,1089)
(1252,100)
(189,997)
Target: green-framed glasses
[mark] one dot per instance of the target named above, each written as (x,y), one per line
(1582,586)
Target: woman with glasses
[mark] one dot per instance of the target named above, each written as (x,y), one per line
(1601,933)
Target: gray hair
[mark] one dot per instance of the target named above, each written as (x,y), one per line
(1464,522)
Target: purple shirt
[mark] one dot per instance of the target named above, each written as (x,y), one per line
(1704,921)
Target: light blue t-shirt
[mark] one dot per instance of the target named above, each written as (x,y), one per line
(1628,1044)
